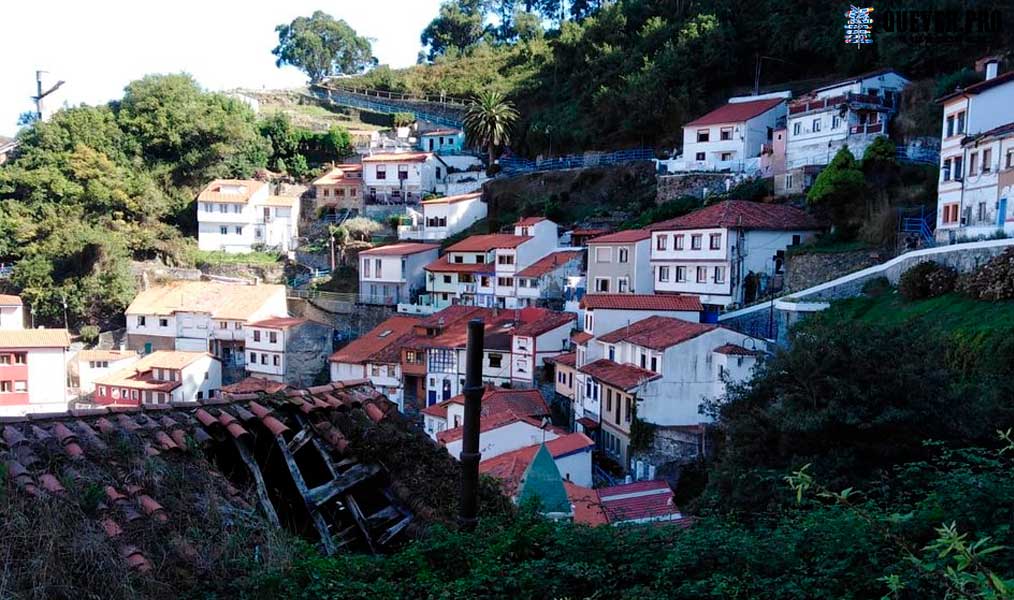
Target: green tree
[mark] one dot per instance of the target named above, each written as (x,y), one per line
(321,46)
(840,189)
(880,167)
(489,121)
(361,228)
(458,25)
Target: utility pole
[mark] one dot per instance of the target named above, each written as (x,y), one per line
(40,94)
(469,508)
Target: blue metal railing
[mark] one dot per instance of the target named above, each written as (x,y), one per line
(448,117)
(918,154)
(515,165)
(919,225)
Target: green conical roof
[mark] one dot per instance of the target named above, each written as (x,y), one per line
(542,480)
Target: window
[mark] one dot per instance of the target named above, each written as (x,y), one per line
(681,274)
(505,259)
(703,135)
(987,158)
(223,230)
(660,242)
(480,259)
(377,267)
(950,213)
(5,386)
(950,125)
(699,156)
(602,285)
(459,259)
(612,352)
(621,255)
(958,172)
(663,273)
(603,255)
(725,133)
(273,337)
(622,285)
(960,125)
(588,322)
(253,358)
(403,172)
(264,359)
(973,160)
(223,325)
(609,399)
(447,278)
(627,410)
(796,127)
(715,241)
(815,126)
(788,182)
(257,335)
(5,359)
(796,239)
(237,325)
(654,364)
(719,274)
(352,192)
(495,360)
(381,171)
(276,360)
(695,241)
(677,241)
(726,156)
(163,322)
(505,281)
(982,211)
(1010,159)
(835,122)
(946,170)
(702,274)
(140,321)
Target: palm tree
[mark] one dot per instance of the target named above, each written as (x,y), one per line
(489,120)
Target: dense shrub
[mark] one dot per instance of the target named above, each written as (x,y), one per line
(89,334)
(877,286)
(993,281)
(927,280)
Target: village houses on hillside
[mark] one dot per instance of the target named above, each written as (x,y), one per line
(241,215)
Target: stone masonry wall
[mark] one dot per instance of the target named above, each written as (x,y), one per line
(671,187)
(306,352)
(807,270)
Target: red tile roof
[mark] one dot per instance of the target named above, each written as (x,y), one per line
(568,359)
(625,377)
(338,173)
(489,423)
(580,337)
(452,199)
(589,231)
(742,214)
(587,508)
(537,321)
(487,242)
(498,401)
(982,86)
(399,157)
(657,333)
(7,300)
(549,263)
(34,338)
(278,322)
(622,237)
(526,221)
(107,355)
(510,466)
(735,350)
(673,302)
(444,265)
(254,384)
(400,249)
(638,501)
(365,348)
(735,112)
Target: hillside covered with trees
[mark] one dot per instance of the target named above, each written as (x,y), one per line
(588,74)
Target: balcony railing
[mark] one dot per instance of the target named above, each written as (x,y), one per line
(803,105)
(389,198)
(866,128)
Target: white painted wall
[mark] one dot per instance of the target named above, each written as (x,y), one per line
(203,375)
(12,317)
(513,436)
(87,374)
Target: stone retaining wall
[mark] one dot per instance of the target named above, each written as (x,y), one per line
(807,270)
(670,187)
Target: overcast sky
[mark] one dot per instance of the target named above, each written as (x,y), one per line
(98,46)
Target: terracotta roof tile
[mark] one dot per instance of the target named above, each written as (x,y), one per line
(742,214)
(278,323)
(341,174)
(736,350)
(982,86)
(541,320)
(487,242)
(444,265)
(529,221)
(657,333)
(106,355)
(623,376)
(403,249)
(622,237)
(549,263)
(736,112)
(452,199)
(8,300)
(581,337)
(641,500)
(494,421)
(398,157)
(34,338)
(510,466)
(213,191)
(366,347)
(660,302)
(221,300)
(568,359)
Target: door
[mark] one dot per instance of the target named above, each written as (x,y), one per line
(147,348)
(431,398)
(447,389)
(431,143)
(1001,213)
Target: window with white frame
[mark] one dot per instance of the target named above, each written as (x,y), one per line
(715,241)
(603,254)
(678,241)
(602,285)
(660,241)
(663,273)
(681,274)
(719,274)
(622,285)
(621,255)
(815,126)
(695,241)
(702,274)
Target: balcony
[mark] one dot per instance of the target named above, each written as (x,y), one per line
(422,232)
(393,198)
(854,100)
(866,129)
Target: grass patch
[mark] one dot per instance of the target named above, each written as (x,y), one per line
(950,311)
(218,257)
(828,247)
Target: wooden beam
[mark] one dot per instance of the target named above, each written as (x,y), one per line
(339,485)
(325,454)
(357,515)
(258,477)
(394,530)
(297,478)
(300,440)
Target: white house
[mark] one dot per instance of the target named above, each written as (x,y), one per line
(33,371)
(851,112)
(239,215)
(542,334)
(450,414)
(620,263)
(483,270)
(376,355)
(665,370)
(12,312)
(731,137)
(288,350)
(711,252)
(402,177)
(500,433)
(340,188)
(976,188)
(89,365)
(200,316)
(441,218)
(389,275)
(162,377)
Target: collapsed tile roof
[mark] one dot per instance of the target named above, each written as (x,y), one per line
(292,456)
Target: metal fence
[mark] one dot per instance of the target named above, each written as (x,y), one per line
(515,166)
